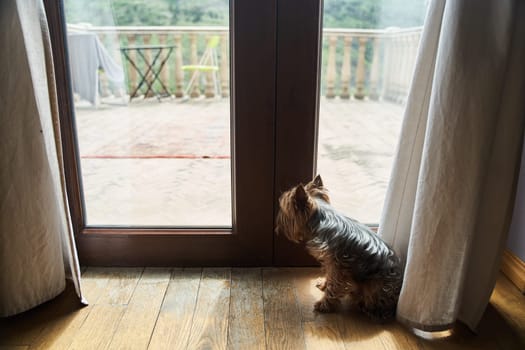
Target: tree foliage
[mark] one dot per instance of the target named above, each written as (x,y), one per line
(337,13)
(148,12)
(373,14)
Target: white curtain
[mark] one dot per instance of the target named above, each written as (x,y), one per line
(37,250)
(451,193)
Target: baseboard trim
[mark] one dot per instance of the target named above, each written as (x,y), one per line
(514,268)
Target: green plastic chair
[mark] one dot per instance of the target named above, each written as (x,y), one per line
(207,63)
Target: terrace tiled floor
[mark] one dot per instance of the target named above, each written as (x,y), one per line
(167,163)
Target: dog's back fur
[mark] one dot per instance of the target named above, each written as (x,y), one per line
(359,263)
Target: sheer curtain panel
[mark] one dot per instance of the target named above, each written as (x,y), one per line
(37,250)
(451,193)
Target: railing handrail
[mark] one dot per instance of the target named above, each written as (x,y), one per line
(355,32)
(149,29)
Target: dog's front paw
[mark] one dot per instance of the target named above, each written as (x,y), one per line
(320,284)
(323,306)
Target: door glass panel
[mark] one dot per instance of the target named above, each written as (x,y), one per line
(151,94)
(368,57)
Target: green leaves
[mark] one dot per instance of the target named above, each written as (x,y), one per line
(148,12)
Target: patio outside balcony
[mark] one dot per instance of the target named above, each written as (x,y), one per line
(146,162)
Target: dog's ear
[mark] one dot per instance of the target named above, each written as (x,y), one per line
(318,182)
(301,198)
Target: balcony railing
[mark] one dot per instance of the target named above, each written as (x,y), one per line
(374,64)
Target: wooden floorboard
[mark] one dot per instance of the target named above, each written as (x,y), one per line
(323,335)
(135,329)
(510,304)
(239,308)
(99,327)
(282,316)
(67,318)
(396,337)
(210,320)
(172,330)
(121,284)
(246,317)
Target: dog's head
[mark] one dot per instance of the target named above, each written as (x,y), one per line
(296,206)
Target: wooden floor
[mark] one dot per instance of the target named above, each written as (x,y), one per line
(222,308)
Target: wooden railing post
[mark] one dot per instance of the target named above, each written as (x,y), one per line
(346,67)
(360,73)
(390,93)
(374,71)
(179,74)
(388,68)
(122,90)
(405,70)
(398,63)
(330,69)
(104,82)
(209,88)
(147,54)
(165,73)
(132,74)
(224,66)
(195,91)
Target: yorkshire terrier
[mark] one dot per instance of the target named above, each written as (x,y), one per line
(356,262)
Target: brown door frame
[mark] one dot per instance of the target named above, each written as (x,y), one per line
(299,41)
(250,242)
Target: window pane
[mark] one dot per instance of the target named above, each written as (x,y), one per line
(368,56)
(151,92)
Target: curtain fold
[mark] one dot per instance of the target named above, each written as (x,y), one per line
(37,249)
(450,197)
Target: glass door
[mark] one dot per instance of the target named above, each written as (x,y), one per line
(369,52)
(344,71)
(223,106)
(151,96)
(168,125)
